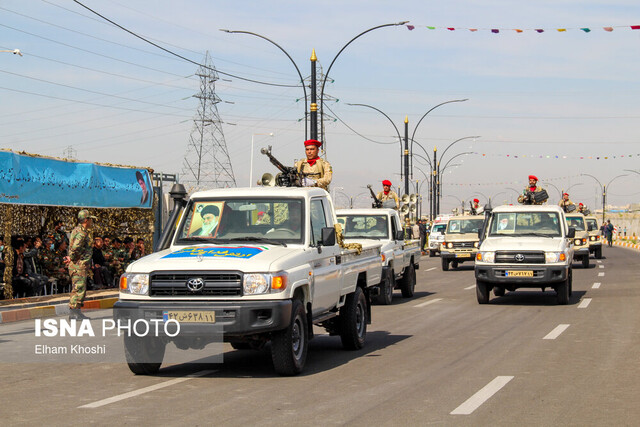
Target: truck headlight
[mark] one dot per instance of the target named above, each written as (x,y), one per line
(449,245)
(551,257)
(134,283)
(475,244)
(577,242)
(592,238)
(488,257)
(255,283)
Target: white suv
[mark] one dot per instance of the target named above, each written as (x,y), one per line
(525,247)
(436,237)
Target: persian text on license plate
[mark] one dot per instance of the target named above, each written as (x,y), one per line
(463,255)
(190,316)
(520,273)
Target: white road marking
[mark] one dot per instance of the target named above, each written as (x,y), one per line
(481,396)
(601,274)
(428,302)
(429,269)
(601,266)
(469,287)
(599,261)
(556,332)
(585,303)
(596,285)
(144,390)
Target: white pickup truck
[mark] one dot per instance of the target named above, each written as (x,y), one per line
(400,258)
(263,264)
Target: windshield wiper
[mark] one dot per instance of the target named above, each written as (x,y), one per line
(198,239)
(537,235)
(256,239)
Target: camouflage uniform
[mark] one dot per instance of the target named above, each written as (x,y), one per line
(390,196)
(59,236)
(80,253)
(321,172)
(521,198)
(564,204)
(119,257)
(136,254)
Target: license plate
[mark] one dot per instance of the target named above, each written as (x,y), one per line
(190,316)
(463,255)
(520,273)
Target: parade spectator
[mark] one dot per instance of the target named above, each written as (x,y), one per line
(2,264)
(58,234)
(608,232)
(23,284)
(138,251)
(423,235)
(102,277)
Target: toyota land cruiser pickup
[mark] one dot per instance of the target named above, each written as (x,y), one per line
(581,240)
(595,240)
(527,246)
(460,240)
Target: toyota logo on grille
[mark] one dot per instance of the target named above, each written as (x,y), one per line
(519,257)
(195,285)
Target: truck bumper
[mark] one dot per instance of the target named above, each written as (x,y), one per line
(542,275)
(581,253)
(232,318)
(458,256)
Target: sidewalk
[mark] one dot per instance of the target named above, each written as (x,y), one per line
(15,310)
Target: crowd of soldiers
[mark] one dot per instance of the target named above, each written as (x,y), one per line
(39,265)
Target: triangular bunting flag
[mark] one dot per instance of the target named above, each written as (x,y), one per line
(586,30)
(495,31)
(562,30)
(539,30)
(410,27)
(609,29)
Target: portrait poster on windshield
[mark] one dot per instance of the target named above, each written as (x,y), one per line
(33,180)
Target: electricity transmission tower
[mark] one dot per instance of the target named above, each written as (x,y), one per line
(207,163)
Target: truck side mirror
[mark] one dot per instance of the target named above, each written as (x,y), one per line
(571,232)
(328,236)
(399,235)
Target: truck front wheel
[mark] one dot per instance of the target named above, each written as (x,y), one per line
(144,354)
(289,346)
(599,252)
(386,291)
(585,261)
(353,320)
(445,264)
(408,282)
(563,290)
(482,292)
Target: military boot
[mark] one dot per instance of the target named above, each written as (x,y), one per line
(76,313)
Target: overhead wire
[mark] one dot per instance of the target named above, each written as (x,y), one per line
(355,131)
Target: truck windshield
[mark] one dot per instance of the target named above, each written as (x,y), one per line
(438,228)
(592,224)
(516,224)
(262,220)
(464,226)
(577,222)
(364,226)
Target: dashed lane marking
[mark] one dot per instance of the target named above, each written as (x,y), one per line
(596,285)
(556,332)
(585,303)
(432,268)
(469,287)
(601,274)
(599,261)
(475,401)
(601,266)
(144,390)
(431,301)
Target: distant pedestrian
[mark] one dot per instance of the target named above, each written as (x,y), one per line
(608,232)
(423,234)
(79,260)
(625,232)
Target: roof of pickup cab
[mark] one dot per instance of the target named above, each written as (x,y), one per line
(261,192)
(528,208)
(367,211)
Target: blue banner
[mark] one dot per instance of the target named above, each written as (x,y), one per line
(29,180)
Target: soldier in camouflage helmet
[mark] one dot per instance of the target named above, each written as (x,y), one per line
(79,260)
(318,171)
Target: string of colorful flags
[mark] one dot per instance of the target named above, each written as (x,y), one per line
(520,182)
(556,156)
(522,30)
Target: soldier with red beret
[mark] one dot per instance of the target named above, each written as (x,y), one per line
(387,194)
(318,171)
(529,196)
(566,204)
(475,207)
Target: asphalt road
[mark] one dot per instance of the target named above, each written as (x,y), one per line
(438,358)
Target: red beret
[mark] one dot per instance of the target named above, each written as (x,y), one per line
(535,178)
(476,201)
(565,194)
(386,182)
(260,213)
(313,142)
(580,204)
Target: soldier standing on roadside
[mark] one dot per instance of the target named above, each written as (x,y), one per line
(79,260)
(318,171)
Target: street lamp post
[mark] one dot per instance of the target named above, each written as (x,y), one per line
(436,167)
(251,162)
(14,51)
(604,191)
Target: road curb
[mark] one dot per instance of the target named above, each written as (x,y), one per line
(627,245)
(59,309)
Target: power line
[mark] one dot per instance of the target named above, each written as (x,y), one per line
(176,54)
(356,132)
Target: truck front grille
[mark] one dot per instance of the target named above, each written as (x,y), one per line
(223,283)
(463,245)
(520,257)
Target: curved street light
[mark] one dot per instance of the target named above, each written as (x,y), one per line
(304,87)
(604,190)
(436,171)
(14,51)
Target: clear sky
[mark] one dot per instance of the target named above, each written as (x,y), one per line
(553,104)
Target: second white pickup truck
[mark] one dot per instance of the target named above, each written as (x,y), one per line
(264,265)
(400,258)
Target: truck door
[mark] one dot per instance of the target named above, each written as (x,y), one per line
(397,244)
(326,271)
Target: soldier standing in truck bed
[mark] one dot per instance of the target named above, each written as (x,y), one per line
(388,194)
(529,194)
(318,172)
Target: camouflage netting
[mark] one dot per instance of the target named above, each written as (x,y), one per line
(33,220)
(340,240)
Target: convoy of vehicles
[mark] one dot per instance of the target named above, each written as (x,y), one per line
(525,247)
(595,239)
(581,241)
(400,258)
(460,240)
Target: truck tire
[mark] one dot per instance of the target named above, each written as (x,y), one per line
(144,354)
(289,346)
(498,291)
(483,291)
(599,252)
(563,291)
(445,264)
(454,264)
(408,281)
(585,261)
(386,291)
(353,321)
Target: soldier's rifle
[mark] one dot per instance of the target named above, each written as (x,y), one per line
(377,203)
(472,210)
